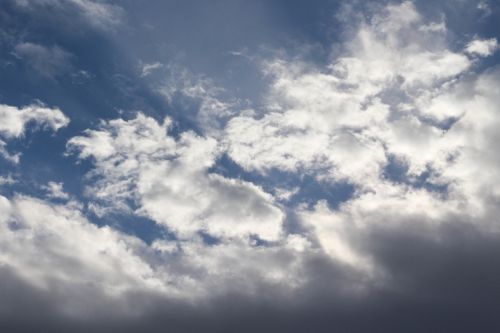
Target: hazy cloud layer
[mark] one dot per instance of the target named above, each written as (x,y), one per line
(100,14)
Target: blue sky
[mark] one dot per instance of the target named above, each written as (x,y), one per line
(249,165)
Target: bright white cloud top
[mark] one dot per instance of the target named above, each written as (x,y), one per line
(170,181)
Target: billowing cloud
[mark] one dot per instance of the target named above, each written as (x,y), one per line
(14,122)
(393,94)
(37,236)
(77,270)
(170,182)
(396,98)
(55,190)
(377,100)
(482,47)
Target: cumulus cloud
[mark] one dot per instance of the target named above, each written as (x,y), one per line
(14,158)
(170,182)
(25,218)
(348,119)
(55,190)
(396,97)
(482,47)
(54,248)
(74,270)
(14,121)
(59,270)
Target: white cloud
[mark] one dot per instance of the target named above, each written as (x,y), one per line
(482,47)
(386,97)
(49,245)
(395,94)
(94,271)
(170,180)
(55,190)
(147,69)
(433,27)
(345,120)
(14,158)
(14,121)
(474,171)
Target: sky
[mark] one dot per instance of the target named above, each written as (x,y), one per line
(249,166)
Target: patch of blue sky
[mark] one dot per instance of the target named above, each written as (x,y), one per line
(307,189)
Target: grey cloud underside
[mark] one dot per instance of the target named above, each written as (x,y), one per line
(355,189)
(420,296)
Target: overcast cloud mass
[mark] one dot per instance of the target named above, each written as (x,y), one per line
(249,166)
